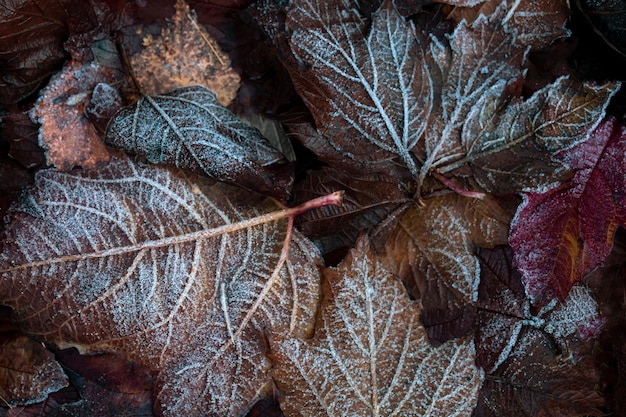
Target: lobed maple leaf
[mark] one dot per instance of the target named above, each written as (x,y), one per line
(431,249)
(514,342)
(157,265)
(370,356)
(381,91)
(189,129)
(559,236)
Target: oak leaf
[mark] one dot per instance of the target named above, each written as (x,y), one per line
(559,236)
(189,129)
(370,356)
(381,91)
(155,264)
(183,55)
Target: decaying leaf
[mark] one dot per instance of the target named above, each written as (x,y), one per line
(183,55)
(32,33)
(559,236)
(370,356)
(155,264)
(431,250)
(383,91)
(189,129)
(69,138)
(28,371)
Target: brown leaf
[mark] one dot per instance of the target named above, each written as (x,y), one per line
(28,371)
(432,251)
(183,55)
(189,129)
(157,265)
(381,91)
(68,136)
(370,356)
(32,33)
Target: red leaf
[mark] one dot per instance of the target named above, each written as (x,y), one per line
(559,236)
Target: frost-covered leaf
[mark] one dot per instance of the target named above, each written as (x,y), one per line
(559,236)
(157,265)
(432,250)
(28,371)
(189,129)
(32,33)
(504,310)
(538,381)
(369,94)
(383,91)
(370,356)
(184,54)
(537,363)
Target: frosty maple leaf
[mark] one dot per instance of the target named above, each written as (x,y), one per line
(155,264)
(559,236)
(449,107)
(431,250)
(512,342)
(370,356)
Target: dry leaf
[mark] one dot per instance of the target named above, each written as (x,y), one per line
(370,356)
(381,91)
(69,138)
(183,55)
(154,264)
(189,129)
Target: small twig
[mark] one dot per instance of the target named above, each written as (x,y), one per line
(207,40)
(457,189)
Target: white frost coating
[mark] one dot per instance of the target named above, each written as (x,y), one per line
(578,309)
(372,357)
(139,261)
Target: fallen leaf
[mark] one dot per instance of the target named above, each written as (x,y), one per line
(370,356)
(20,134)
(189,129)
(504,310)
(431,250)
(157,265)
(69,138)
(558,237)
(184,55)
(28,371)
(381,91)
